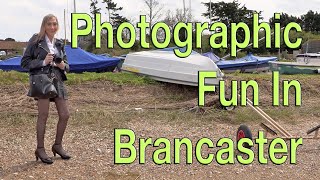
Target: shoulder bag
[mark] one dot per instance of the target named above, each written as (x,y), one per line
(42,85)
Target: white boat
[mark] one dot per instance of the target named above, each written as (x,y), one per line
(167,67)
(308,63)
(312,58)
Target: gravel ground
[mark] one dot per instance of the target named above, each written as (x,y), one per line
(90,137)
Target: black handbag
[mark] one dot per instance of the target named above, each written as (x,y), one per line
(42,86)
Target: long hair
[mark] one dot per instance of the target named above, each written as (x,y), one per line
(42,31)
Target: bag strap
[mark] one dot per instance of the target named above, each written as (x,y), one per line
(51,74)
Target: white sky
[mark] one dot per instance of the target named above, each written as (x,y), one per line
(20,19)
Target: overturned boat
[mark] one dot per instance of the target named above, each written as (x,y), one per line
(164,65)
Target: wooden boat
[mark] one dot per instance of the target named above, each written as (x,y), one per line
(167,67)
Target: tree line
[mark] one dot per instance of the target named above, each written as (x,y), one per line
(225,12)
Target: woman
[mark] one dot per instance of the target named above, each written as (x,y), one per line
(39,59)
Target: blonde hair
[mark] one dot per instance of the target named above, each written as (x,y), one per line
(45,20)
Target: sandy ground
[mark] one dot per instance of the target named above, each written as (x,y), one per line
(97,108)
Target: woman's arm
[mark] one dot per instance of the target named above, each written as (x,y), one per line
(65,59)
(27,61)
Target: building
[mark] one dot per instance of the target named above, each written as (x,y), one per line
(12,47)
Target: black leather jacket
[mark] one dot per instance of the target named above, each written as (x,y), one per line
(35,54)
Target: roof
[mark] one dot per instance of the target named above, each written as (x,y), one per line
(10,45)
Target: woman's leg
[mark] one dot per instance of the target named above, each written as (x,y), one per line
(43,112)
(63,112)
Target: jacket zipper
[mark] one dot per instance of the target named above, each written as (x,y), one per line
(46,50)
(50,70)
(43,48)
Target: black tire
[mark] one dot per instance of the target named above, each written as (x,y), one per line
(244,132)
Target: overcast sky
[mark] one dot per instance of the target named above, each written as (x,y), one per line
(20,19)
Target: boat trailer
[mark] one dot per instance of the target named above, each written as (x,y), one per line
(272,127)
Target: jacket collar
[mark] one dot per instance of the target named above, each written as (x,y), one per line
(43,44)
(48,40)
(58,44)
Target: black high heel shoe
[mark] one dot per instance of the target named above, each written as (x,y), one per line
(61,152)
(44,160)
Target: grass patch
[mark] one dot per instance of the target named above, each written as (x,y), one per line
(238,116)
(108,120)
(117,78)
(9,119)
(268,76)
(13,77)
(174,97)
(193,119)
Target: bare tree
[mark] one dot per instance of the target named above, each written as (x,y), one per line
(183,15)
(154,10)
(172,18)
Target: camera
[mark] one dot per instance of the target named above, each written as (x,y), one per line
(57,59)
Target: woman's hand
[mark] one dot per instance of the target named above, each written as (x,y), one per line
(61,65)
(48,59)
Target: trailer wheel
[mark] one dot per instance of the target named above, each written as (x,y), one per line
(229,108)
(244,132)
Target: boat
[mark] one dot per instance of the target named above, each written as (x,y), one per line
(295,67)
(163,65)
(308,63)
(79,61)
(12,64)
(83,61)
(312,58)
(247,64)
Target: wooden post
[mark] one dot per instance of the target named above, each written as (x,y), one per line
(65,30)
(74,6)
